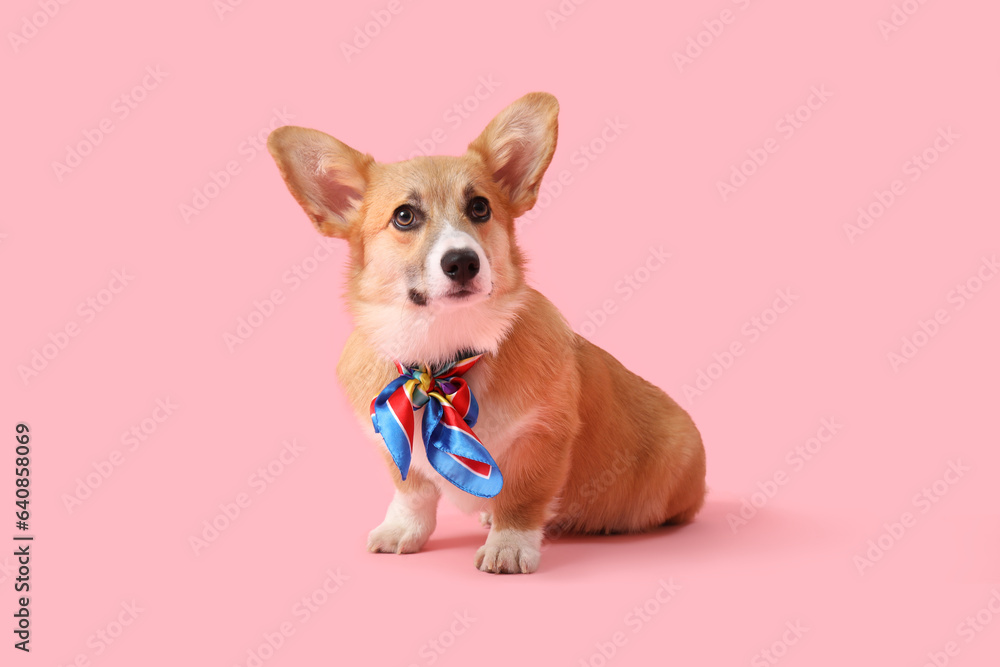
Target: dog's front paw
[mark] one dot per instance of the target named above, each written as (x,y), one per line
(510,552)
(408,524)
(398,536)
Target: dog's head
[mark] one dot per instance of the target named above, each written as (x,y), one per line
(435,269)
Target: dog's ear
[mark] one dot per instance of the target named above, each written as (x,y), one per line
(517,147)
(328,178)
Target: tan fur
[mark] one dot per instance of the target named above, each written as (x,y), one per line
(584,445)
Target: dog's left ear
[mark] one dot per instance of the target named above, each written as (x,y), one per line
(517,147)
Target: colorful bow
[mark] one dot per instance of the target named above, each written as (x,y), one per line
(451,412)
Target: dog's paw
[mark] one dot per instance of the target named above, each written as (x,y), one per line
(409,522)
(510,552)
(395,536)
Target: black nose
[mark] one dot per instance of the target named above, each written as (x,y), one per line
(460,265)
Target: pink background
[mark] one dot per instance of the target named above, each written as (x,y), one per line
(680,132)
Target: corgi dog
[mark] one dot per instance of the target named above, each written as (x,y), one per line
(522,419)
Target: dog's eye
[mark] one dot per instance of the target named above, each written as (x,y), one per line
(403,217)
(479,209)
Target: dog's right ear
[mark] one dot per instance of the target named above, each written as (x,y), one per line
(327,177)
